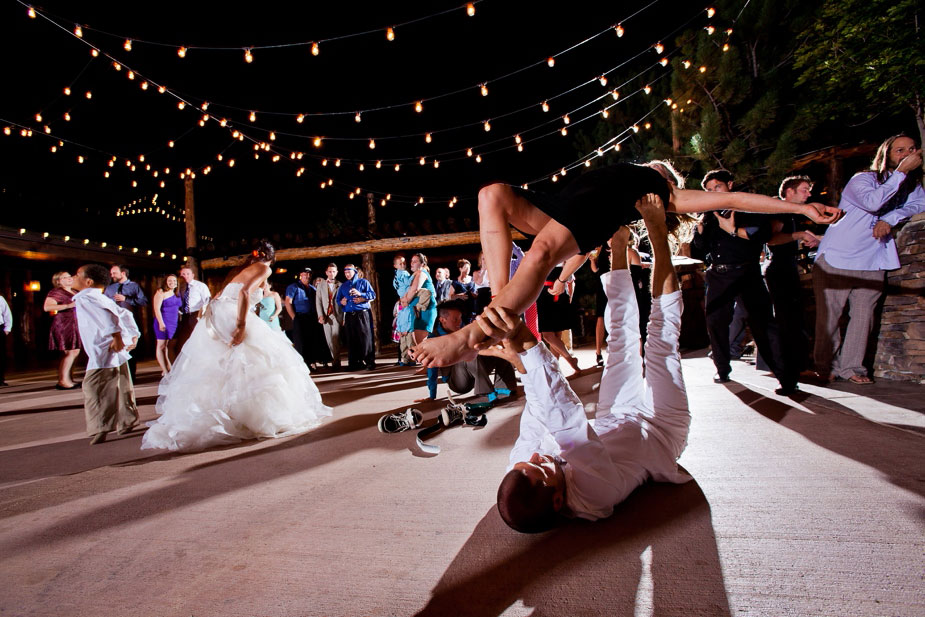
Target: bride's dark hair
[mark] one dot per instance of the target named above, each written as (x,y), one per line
(263,252)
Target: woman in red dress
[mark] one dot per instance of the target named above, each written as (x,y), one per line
(63,335)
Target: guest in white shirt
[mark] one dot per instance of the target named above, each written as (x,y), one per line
(195,295)
(562,464)
(6,324)
(108,332)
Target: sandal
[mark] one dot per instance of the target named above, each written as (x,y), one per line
(860,380)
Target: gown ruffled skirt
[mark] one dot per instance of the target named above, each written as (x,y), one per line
(217,394)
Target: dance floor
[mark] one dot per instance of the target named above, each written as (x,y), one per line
(810,505)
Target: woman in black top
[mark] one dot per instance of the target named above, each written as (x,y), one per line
(569,225)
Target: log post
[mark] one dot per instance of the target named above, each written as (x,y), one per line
(189,216)
(369,268)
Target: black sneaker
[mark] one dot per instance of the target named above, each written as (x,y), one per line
(721,378)
(452,414)
(403,421)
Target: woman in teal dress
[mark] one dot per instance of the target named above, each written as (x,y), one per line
(424,307)
(269,308)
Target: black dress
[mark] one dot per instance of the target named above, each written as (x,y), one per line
(554,313)
(599,202)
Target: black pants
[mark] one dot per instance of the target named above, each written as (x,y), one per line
(301,335)
(783,281)
(360,345)
(185,326)
(463,376)
(723,286)
(2,354)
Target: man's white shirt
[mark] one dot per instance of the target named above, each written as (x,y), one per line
(199,295)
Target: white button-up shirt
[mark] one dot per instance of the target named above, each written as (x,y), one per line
(6,316)
(199,295)
(98,318)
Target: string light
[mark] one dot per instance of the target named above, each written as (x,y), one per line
(378,164)
(181,105)
(619,30)
(419,107)
(117,66)
(248,56)
(603,80)
(517,139)
(31,12)
(357,118)
(545,106)
(564,131)
(551,61)
(726,47)
(659,48)
(38,117)
(470,9)
(128,45)
(520,147)
(566,119)
(710,30)
(372,144)
(253,117)
(390,34)
(423,161)
(182,52)
(144,85)
(615,94)
(686,64)
(663,61)
(428,138)
(78,32)
(483,88)
(711,12)
(478,158)
(315,49)
(703,69)
(647,89)
(487,126)
(397,167)
(94,52)
(67,91)
(468,151)
(605,113)
(436,163)
(161,89)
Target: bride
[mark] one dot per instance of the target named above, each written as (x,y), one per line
(233,380)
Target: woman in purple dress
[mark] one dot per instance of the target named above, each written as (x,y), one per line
(166,304)
(63,335)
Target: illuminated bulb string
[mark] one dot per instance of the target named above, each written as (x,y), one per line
(385,107)
(469,8)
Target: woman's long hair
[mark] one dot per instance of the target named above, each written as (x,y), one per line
(680,226)
(882,167)
(163,285)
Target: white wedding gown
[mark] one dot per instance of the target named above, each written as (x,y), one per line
(217,394)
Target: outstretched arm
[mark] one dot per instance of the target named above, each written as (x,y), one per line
(686,202)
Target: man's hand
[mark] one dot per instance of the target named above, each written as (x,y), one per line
(726,224)
(116,345)
(119,298)
(909,163)
(343,301)
(359,299)
(321,320)
(808,238)
(882,229)
(499,323)
(820,213)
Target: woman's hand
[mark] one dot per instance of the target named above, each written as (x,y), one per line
(237,337)
(557,288)
(161,327)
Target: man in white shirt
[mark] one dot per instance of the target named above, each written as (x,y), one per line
(108,332)
(194,296)
(562,464)
(6,324)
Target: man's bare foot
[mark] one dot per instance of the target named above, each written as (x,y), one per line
(447,350)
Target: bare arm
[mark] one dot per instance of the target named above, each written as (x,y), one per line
(687,202)
(52,305)
(289,308)
(416,282)
(572,264)
(156,303)
(279,306)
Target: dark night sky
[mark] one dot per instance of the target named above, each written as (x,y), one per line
(427,59)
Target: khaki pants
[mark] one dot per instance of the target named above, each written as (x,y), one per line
(406,342)
(109,399)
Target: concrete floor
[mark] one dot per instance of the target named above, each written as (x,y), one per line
(804,506)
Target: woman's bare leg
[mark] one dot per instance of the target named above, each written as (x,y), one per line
(66,367)
(599,335)
(553,244)
(420,335)
(161,354)
(499,208)
(558,348)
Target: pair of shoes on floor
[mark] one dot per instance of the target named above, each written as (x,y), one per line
(98,438)
(60,387)
(721,378)
(403,421)
(455,413)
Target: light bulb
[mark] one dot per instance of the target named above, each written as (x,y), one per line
(397,167)
(711,12)
(422,161)
(603,80)
(38,117)
(545,106)
(420,200)
(619,30)
(67,91)
(605,113)
(647,125)
(182,52)
(428,138)
(94,52)
(615,94)
(272,136)
(223,122)
(647,89)
(710,30)
(517,139)
(484,89)
(161,89)
(468,151)
(248,56)
(555,178)
(372,144)
(88,94)
(336,162)
(144,85)
(31,12)
(600,152)
(117,66)
(663,61)
(470,9)
(588,163)
(686,64)
(181,105)
(551,61)
(204,106)
(350,195)
(315,49)
(378,164)
(635,128)
(520,147)
(47,129)
(726,47)
(128,45)
(729,31)
(436,164)
(253,117)
(78,32)
(80,159)
(230,162)
(564,131)
(419,107)
(478,158)
(566,119)
(390,34)
(563,171)
(357,118)
(67,116)
(659,48)
(703,69)
(487,126)
(362,167)
(7,130)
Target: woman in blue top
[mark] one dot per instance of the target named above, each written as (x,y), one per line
(425,313)
(269,308)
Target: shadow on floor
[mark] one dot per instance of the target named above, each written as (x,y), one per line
(898,454)
(656,555)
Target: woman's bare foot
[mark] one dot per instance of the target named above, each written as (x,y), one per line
(447,350)
(573,362)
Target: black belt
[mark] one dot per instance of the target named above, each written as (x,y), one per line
(728,267)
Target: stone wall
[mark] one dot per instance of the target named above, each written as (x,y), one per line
(901,341)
